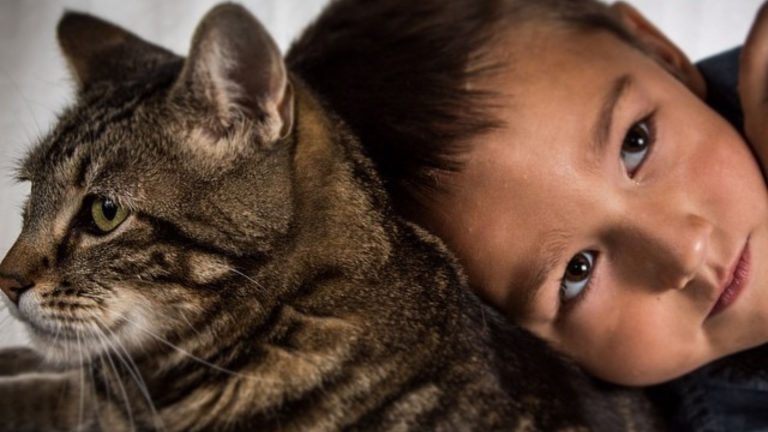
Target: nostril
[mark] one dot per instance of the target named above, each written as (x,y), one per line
(14,287)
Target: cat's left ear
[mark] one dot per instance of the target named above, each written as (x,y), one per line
(99,51)
(235,71)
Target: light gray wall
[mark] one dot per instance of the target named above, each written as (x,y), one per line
(34,84)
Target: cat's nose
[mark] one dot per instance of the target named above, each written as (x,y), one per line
(13,287)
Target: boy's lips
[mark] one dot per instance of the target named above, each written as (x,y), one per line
(736,282)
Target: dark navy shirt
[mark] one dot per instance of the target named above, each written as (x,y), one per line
(729,395)
(721,72)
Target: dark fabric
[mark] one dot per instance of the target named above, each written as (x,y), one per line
(721,72)
(730,394)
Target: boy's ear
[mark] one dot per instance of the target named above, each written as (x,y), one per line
(660,47)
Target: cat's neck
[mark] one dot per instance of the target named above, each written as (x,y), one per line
(340,199)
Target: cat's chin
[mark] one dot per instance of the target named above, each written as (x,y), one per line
(74,344)
(64,346)
(67,346)
(74,337)
(60,350)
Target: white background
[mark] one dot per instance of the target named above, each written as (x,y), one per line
(34,84)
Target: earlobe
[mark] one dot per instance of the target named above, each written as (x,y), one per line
(660,47)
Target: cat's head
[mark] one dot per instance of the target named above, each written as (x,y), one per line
(150,192)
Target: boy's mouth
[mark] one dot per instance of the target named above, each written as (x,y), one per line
(737,281)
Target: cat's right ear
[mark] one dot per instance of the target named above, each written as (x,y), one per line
(235,72)
(99,51)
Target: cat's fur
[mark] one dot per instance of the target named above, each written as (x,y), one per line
(261,280)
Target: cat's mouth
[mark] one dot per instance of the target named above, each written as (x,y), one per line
(71,336)
(82,332)
(61,333)
(75,343)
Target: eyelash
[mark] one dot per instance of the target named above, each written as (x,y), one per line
(567,305)
(649,120)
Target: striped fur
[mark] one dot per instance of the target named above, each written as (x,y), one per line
(259,283)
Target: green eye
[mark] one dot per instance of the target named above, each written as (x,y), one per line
(107,215)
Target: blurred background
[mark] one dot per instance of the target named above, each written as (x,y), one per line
(34,84)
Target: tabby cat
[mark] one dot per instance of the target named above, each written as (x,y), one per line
(205,247)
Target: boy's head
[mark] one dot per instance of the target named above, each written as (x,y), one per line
(574,169)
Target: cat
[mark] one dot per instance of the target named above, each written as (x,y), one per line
(207,247)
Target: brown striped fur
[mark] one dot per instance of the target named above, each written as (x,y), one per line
(261,280)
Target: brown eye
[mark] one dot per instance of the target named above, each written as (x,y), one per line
(107,215)
(577,275)
(636,146)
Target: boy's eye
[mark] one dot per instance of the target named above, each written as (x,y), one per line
(636,145)
(577,275)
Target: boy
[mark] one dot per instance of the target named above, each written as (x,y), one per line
(563,150)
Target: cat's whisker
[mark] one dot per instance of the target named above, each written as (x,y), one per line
(186,320)
(80,413)
(200,360)
(104,371)
(236,271)
(56,333)
(133,369)
(116,375)
(209,364)
(95,400)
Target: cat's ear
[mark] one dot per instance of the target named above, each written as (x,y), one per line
(97,50)
(235,70)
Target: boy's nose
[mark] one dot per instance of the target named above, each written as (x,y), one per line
(689,256)
(13,287)
(673,250)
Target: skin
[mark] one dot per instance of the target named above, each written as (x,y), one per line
(665,234)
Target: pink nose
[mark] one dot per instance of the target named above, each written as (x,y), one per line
(13,288)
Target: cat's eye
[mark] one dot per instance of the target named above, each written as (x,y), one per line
(107,214)
(578,274)
(636,145)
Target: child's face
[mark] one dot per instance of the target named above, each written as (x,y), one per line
(611,164)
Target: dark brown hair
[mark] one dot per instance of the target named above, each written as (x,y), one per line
(397,72)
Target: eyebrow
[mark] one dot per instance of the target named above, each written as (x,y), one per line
(602,127)
(556,240)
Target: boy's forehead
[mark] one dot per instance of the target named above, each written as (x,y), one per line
(554,94)
(545,54)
